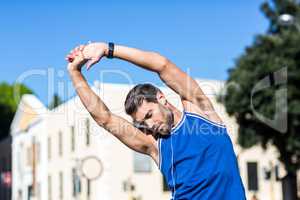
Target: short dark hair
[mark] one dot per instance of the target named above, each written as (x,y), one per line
(138,94)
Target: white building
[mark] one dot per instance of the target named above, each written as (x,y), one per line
(27,130)
(5,168)
(48,144)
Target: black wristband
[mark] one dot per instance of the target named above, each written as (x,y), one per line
(111,47)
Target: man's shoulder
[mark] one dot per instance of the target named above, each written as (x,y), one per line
(194,109)
(191,108)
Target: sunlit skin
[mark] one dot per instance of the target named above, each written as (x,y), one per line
(158,117)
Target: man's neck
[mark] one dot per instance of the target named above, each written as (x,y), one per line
(176,113)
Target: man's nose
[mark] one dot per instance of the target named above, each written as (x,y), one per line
(150,124)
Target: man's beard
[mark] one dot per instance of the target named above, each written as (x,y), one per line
(168,124)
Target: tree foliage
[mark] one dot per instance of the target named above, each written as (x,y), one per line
(56,101)
(9,100)
(270,52)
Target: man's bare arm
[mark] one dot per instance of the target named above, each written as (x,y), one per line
(187,88)
(117,126)
(90,100)
(174,77)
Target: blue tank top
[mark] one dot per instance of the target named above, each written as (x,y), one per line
(198,161)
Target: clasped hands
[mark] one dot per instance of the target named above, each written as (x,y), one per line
(88,54)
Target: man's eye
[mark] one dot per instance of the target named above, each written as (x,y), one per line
(148,115)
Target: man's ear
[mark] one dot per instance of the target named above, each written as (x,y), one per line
(161,98)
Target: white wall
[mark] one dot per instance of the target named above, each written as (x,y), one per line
(116,158)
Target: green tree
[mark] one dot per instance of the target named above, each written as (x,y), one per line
(270,52)
(9,100)
(56,101)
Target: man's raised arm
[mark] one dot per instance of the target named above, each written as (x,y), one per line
(119,127)
(90,100)
(184,85)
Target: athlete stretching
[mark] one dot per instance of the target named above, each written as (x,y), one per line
(191,148)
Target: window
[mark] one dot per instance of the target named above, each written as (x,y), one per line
(298,181)
(165,185)
(30,192)
(49,148)
(3,166)
(22,156)
(9,164)
(72,138)
(60,143)
(49,188)
(38,191)
(277,176)
(141,162)
(252,176)
(29,156)
(76,183)
(61,186)
(87,133)
(38,149)
(88,193)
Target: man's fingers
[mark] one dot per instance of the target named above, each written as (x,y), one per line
(77,51)
(69,55)
(78,48)
(70,59)
(72,51)
(91,62)
(78,59)
(81,47)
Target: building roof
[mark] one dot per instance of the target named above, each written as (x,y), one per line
(30,110)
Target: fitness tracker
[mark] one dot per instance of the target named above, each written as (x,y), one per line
(111,47)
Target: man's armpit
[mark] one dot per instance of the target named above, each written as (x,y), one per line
(208,114)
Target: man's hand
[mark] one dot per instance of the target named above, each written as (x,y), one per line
(92,52)
(117,126)
(76,59)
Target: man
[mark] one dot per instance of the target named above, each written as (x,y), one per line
(191,148)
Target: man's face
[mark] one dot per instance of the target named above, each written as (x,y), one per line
(155,117)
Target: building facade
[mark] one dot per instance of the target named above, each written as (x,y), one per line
(5,168)
(49,146)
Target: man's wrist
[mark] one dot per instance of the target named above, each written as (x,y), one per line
(111,48)
(74,70)
(106,50)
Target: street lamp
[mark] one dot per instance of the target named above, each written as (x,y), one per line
(288,20)
(89,167)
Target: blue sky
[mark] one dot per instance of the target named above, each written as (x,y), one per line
(204,37)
